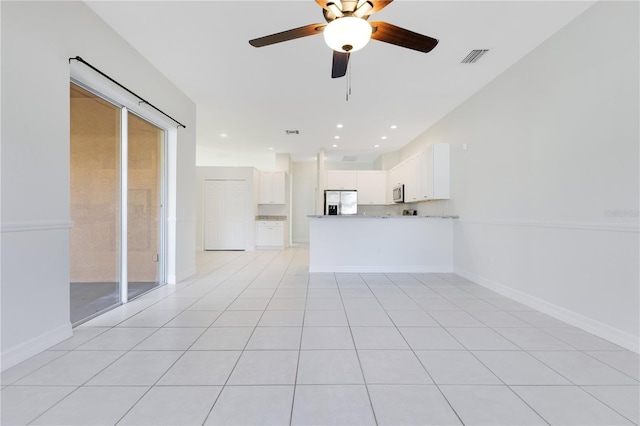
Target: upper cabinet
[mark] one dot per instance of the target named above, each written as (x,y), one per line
(272,187)
(342,179)
(371,186)
(425,176)
(437,179)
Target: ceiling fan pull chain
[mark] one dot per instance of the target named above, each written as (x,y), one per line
(348,81)
(346,86)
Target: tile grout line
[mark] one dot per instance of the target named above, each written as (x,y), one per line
(295,381)
(245,345)
(414,353)
(355,348)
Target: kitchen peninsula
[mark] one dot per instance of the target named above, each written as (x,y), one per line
(359,243)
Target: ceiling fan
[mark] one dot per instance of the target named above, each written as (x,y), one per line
(347,30)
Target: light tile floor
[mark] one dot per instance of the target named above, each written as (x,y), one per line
(255,339)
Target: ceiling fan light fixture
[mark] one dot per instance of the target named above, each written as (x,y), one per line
(347,34)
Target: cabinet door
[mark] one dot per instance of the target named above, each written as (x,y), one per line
(410,180)
(372,187)
(426,174)
(266,187)
(276,237)
(269,234)
(278,188)
(365,187)
(440,174)
(379,187)
(342,179)
(272,187)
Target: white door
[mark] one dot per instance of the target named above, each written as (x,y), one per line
(224,214)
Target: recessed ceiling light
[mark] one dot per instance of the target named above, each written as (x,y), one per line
(383,137)
(334,145)
(339,126)
(393,126)
(376,146)
(336,137)
(223,135)
(270,148)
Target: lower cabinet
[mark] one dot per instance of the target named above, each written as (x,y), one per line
(269,234)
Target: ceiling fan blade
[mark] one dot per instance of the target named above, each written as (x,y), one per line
(340,63)
(378,5)
(305,31)
(389,33)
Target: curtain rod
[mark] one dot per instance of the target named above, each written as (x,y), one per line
(142,100)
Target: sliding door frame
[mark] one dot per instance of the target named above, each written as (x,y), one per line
(166,265)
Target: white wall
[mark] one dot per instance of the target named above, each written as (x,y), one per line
(304,178)
(552,151)
(209,154)
(37,40)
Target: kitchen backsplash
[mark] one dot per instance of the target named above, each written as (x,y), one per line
(272,210)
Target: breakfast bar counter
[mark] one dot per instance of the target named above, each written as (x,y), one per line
(360,243)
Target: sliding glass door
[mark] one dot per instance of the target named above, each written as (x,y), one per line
(144,234)
(117,191)
(95,204)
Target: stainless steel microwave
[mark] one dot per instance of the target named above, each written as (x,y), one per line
(398,194)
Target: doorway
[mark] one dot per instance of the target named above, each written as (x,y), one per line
(117,191)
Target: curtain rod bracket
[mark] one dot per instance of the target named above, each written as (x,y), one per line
(141,100)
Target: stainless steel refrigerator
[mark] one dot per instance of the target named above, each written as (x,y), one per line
(340,202)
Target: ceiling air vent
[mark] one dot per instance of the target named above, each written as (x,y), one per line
(349,158)
(474,56)
(292,132)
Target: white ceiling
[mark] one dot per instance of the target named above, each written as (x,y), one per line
(255,94)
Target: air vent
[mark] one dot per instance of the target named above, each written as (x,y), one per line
(349,158)
(292,132)
(474,56)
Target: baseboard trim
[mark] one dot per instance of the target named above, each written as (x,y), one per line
(14,356)
(382,269)
(185,275)
(612,334)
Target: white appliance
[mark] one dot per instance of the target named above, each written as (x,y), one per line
(340,202)
(398,193)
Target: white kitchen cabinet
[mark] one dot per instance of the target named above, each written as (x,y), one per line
(437,179)
(371,186)
(342,179)
(411,181)
(272,187)
(269,234)
(425,176)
